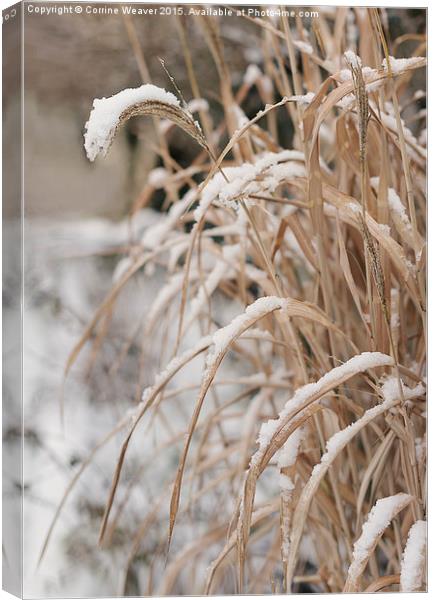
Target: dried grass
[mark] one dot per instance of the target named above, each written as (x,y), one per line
(346,275)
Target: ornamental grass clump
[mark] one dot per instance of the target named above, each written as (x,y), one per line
(293,302)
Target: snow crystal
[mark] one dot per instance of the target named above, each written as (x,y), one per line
(413,561)
(106,113)
(394,202)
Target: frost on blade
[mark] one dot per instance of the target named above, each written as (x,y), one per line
(414,559)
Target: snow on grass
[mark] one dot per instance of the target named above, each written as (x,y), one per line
(352,59)
(355,365)
(289,452)
(304,99)
(106,114)
(402,64)
(271,167)
(396,206)
(378,520)
(224,336)
(286,483)
(413,561)
(391,392)
(346,74)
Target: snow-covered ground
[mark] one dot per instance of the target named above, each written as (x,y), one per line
(69,269)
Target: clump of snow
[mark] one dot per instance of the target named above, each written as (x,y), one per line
(305,99)
(374,182)
(396,206)
(353,60)
(346,101)
(391,390)
(401,64)
(413,561)
(346,74)
(106,113)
